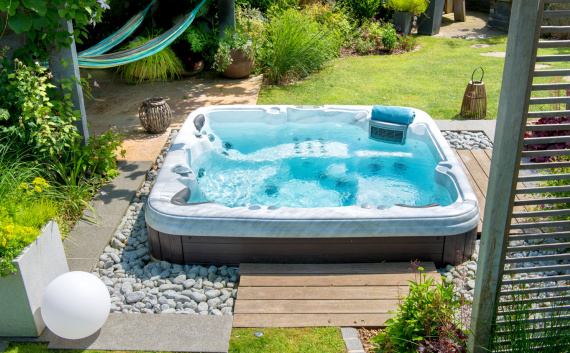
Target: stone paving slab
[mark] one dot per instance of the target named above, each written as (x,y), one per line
(174,333)
(475,26)
(87,240)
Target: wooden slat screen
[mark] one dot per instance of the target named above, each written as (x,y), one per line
(537,273)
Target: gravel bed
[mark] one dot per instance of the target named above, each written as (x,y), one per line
(139,285)
(467,140)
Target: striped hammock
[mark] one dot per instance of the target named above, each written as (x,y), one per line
(114,39)
(152,47)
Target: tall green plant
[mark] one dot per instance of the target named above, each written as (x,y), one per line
(157,67)
(414,6)
(296,46)
(363,9)
(520,328)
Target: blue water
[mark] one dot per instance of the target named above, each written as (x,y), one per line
(314,165)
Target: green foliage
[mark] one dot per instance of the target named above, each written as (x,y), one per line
(335,20)
(296,46)
(389,36)
(521,333)
(265,5)
(235,37)
(203,42)
(25,205)
(363,45)
(35,115)
(363,9)
(407,43)
(414,6)
(157,67)
(40,20)
(427,313)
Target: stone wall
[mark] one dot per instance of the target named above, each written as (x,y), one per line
(500,14)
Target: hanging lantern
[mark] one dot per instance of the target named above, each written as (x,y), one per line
(155,115)
(474,104)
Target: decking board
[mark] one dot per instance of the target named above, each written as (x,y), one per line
(305,295)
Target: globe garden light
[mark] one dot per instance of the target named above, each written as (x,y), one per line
(75,305)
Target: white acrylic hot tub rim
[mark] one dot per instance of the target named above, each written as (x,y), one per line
(212,219)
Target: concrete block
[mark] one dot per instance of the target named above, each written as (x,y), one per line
(38,264)
(349,332)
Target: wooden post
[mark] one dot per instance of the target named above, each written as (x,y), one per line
(510,129)
(459,10)
(60,71)
(227,14)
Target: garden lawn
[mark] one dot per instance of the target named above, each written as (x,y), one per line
(432,79)
(274,340)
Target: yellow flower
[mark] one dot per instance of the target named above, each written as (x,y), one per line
(38,189)
(9,229)
(23,186)
(41,182)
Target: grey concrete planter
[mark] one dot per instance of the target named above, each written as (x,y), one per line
(403,22)
(430,21)
(38,264)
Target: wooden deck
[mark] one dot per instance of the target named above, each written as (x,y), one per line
(477,164)
(304,295)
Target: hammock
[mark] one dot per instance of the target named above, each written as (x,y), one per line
(140,52)
(108,43)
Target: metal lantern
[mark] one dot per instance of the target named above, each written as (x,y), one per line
(474,104)
(155,115)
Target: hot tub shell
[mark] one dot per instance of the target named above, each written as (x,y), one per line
(210,233)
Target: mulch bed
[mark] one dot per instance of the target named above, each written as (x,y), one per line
(365,335)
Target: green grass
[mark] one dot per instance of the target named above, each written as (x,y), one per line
(432,79)
(285,340)
(274,340)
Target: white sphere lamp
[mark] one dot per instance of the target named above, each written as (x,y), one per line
(75,305)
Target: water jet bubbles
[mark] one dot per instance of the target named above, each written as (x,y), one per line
(271,190)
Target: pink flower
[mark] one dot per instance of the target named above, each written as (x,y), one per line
(189,58)
(103,192)
(96,84)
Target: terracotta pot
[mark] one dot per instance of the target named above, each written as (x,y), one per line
(242,64)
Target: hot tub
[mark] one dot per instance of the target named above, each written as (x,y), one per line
(346,194)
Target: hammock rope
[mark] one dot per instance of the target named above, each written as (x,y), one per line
(142,51)
(116,38)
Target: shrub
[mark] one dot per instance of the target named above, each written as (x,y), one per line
(389,36)
(414,6)
(156,67)
(202,41)
(25,205)
(363,45)
(407,43)
(34,115)
(363,9)
(425,320)
(296,46)
(236,37)
(334,20)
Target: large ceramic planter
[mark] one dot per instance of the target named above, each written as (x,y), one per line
(429,22)
(242,64)
(38,264)
(403,22)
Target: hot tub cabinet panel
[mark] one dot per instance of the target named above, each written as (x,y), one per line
(189,249)
(210,233)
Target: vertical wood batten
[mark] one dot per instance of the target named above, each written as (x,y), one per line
(511,125)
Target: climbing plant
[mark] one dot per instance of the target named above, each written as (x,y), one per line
(44,23)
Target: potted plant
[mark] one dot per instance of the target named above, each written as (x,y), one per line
(235,55)
(156,67)
(405,10)
(29,258)
(429,22)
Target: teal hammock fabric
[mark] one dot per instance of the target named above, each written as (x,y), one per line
(116,38)
(140,52)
